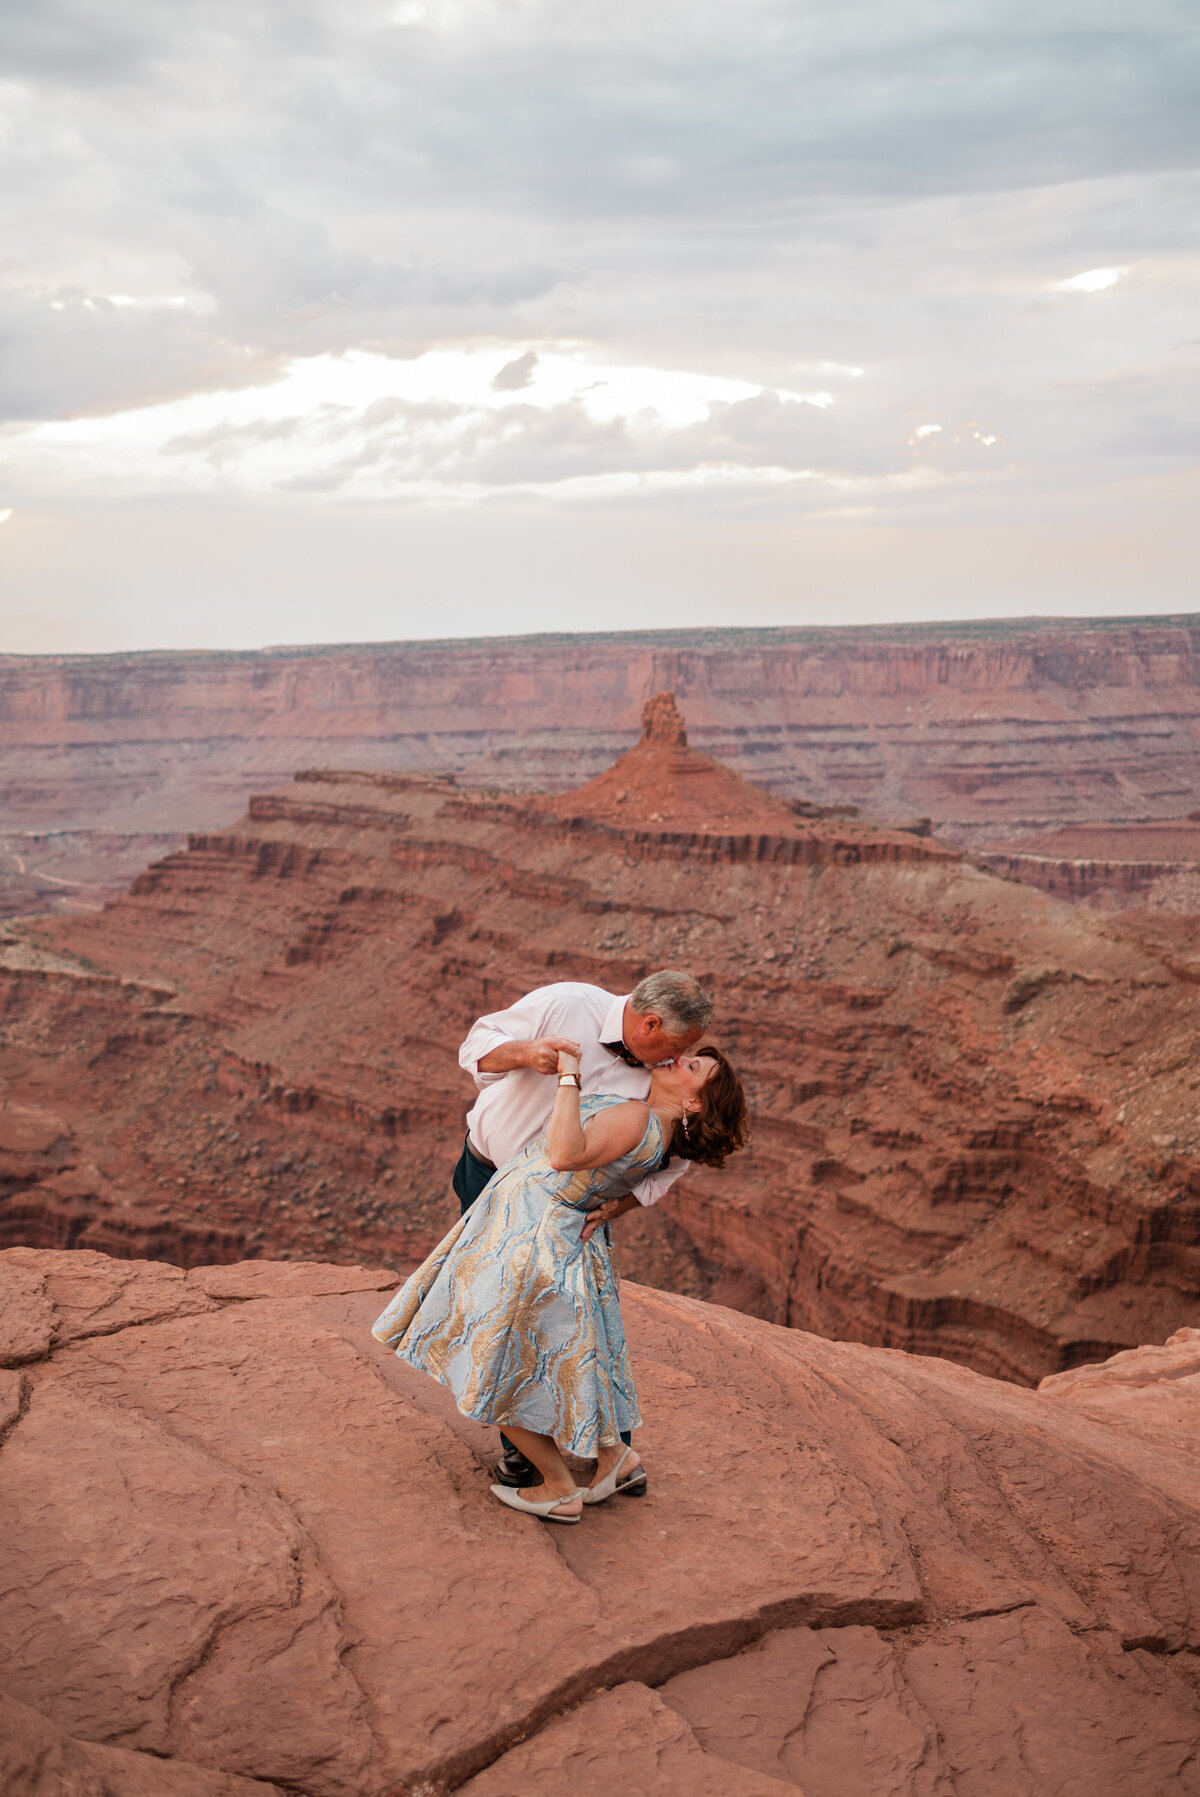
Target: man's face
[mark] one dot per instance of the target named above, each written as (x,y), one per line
(646,1038)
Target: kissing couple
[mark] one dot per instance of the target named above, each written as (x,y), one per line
(588,1103)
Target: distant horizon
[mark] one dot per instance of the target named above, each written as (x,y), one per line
(704,636)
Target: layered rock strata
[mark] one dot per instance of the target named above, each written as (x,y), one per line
(975,1127)
(246,1550)
(1154,866)
(990,729)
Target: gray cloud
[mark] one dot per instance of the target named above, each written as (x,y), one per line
(516,374)
(398,442)
(66,352)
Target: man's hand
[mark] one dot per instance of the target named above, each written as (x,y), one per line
(604,1213)
(540,1055)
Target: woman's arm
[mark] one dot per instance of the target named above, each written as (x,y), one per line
(572,1146)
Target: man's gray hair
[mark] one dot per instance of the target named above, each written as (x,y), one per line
(680,1002)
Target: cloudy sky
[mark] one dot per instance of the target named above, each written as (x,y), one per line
(436,317)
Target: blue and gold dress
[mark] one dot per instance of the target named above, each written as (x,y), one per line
(517,1315)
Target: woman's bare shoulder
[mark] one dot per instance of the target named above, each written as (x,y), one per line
(624,1117)
(610,1104)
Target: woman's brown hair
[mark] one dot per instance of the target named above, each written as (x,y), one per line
(720,1125)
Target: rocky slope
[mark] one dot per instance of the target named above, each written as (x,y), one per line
(1152,866)
(248,1551)
(975,1126)
(992,730)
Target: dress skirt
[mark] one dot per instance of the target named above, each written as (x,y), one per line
(518,1316)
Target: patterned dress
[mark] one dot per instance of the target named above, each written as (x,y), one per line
(516,1314)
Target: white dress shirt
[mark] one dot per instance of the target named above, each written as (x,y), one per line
(513,1107)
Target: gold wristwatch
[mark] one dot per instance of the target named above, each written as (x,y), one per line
(569,1079)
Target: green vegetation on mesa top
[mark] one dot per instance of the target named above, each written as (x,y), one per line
(825,636)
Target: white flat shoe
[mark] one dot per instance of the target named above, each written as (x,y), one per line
(547,1511)
(633,1486)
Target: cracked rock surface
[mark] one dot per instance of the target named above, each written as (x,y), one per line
(247,1550)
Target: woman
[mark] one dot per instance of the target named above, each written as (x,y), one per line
(517,1309)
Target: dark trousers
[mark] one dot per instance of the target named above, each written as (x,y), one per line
(469,1178)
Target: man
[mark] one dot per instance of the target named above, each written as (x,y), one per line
(512,1056)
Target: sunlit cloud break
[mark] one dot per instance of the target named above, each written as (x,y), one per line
(457,420)
(1092,280)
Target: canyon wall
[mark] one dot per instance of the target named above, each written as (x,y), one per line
(1153,866)
(991,730)
(975,1124)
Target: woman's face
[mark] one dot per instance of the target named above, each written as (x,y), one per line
(681,1082)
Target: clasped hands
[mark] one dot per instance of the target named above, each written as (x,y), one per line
(553,1054)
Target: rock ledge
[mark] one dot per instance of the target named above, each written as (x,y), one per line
(249,1551)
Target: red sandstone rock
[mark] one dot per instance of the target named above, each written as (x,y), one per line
(1111,866)
(662,781)
(1151,1392)
(252,1542)
(624,1740)
(971,1709)
(1174,840)
(39,1760)
(70,869)
(975,1126)
(994,730)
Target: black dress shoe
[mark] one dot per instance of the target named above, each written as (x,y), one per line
(514,1470)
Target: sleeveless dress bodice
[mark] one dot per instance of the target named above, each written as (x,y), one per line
(585,1189)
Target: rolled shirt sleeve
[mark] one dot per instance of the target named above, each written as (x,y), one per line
(481,1039)
(510,1108)
(531,1017)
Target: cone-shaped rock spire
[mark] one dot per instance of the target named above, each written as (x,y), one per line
(666,784)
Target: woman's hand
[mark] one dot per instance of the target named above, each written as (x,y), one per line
(568,1062)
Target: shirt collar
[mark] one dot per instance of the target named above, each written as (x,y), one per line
(612,1028)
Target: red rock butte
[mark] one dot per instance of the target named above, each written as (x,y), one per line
(663,781)
(248,1552)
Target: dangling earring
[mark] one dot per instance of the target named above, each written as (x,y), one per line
(686,1130)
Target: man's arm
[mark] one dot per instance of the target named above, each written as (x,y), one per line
(521,1036)
(604,1213)
(651,1189)
(647,1191)
(541,1055)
